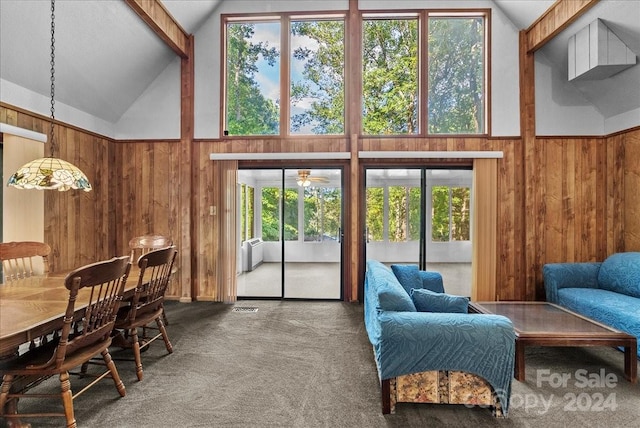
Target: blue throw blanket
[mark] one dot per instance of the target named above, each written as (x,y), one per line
(411,342)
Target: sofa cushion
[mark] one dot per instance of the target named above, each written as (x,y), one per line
(391,295)
(429,301)
(408,276)
(621,273)
(607,307)
(431,281)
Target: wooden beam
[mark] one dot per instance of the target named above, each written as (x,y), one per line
(187,175)
(529,167)
(355,267)
(163,24)
(558,17)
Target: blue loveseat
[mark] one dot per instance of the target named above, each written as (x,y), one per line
(608,291)
(420,353)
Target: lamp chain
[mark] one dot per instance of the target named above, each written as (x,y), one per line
(53,78)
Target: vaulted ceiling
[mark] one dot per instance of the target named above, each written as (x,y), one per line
(106,56)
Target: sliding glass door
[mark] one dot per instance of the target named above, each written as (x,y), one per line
(422,216)
(291,233)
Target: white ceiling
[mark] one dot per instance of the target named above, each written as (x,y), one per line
(106,56)
(523,12)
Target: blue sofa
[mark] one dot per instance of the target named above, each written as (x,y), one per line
(412,347)
(608,291)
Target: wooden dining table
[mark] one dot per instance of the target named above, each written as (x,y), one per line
(34,307)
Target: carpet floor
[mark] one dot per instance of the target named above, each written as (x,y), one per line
(309,364)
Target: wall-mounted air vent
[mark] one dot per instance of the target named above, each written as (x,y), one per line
(595,52)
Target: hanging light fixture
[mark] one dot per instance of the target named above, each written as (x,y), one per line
(50,172)
(303,178)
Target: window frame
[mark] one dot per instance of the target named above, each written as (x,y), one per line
(422,16)
(353,91)
(285,19)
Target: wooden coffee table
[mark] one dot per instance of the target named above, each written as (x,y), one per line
(546,324)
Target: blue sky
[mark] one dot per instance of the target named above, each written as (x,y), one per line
(268,77)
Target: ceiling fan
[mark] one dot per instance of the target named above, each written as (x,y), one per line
(304,178)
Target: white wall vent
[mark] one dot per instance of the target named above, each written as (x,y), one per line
(595,52)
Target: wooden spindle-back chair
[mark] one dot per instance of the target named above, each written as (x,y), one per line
(142,244)
(18,259)
(147,305)
(99,286)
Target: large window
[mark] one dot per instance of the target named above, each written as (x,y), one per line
(272,207)
(451,216)
(313,60)
(252,77)
(322,207)
(390,76)
(453,72)
(247,211)
(423,73)
(456,75)
(402,208)
(317,77)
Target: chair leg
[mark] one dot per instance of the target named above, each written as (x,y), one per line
(165,336)
(84,368)
(67,399)
(164,317)
(106,356)
(136,353)
(7,380)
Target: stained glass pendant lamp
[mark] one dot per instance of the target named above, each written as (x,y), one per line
(50,173)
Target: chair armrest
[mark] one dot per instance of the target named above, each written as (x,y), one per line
(432,281)
(412,342)
(568,275)
(482,344)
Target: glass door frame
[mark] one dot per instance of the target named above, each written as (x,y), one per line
(283,185)
(424,187)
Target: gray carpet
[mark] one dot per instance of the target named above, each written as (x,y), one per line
(309,364)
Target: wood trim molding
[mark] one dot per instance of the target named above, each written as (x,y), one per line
(484,229)
(558,17)
(163,24)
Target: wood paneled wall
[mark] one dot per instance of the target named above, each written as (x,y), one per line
(630,145)
(147,195)
(586,201)
(579,202)
(78,225)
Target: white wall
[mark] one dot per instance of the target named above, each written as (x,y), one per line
(156,113)
(13,94)
(622,121)
(23,210)
(505,75)
(560,108)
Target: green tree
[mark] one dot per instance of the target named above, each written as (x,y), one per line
(460,214)
(398,213)
(323,77)
(270,214)
(415,211)
(440,213)
(322,208)
(248,111)
(390,76)
(375,213)
(456,67)
(290,214)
